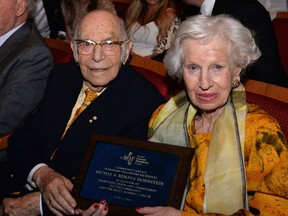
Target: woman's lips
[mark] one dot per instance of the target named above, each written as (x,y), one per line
(207,97)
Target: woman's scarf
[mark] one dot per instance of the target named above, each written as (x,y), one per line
(225,183)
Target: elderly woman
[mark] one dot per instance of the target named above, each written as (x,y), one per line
(240,162)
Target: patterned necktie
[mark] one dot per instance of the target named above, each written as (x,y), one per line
(89,97)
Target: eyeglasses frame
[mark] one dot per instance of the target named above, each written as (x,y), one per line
(107,42)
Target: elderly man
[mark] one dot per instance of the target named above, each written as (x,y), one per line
(49,148)
(25,62)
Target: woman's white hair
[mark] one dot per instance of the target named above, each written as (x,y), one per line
(244,50)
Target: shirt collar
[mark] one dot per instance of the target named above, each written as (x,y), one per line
(4,37)
(207,7)
(84,87)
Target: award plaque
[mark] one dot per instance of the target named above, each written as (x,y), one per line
(131,173)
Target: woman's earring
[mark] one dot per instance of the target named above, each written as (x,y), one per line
(235,84)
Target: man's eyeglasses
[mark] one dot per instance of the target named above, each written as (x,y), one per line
(86,47)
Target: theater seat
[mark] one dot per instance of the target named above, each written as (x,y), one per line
(60,50)
(156,73)
(271,98)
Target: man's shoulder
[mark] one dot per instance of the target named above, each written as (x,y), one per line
(137,85)
(66,70)
(32,37)
(136,80)
(28,38)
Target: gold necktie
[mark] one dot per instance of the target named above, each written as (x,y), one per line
(89,97)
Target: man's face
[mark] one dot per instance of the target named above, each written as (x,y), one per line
(8,20)
(102,65)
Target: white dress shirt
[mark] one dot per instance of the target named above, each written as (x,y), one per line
(207,7)
(273,6)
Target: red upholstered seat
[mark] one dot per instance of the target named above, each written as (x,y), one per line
(60,50)
(164,84)
(60,56)
(276,108)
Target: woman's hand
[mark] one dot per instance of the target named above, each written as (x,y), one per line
(97,209)
(158,211)
(55,190)
(27,205)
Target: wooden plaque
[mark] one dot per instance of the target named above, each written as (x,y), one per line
(130,173)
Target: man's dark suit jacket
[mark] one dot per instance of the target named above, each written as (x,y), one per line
(25,63)
(254,16)
(55,17)
(123,109)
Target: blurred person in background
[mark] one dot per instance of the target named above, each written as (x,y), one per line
(74,10)
(147,22)
(49,19)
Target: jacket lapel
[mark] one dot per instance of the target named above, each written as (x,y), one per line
(14,40)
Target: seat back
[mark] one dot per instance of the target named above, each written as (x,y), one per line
(280,26)
(60,50)
(273,99)
(156,73)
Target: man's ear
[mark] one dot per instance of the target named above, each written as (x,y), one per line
(129,46)
(21,7)
(128,49)
(74,49)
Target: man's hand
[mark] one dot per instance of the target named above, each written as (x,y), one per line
(55,190)
(27,205)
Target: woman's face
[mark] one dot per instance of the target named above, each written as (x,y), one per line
(208,72)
